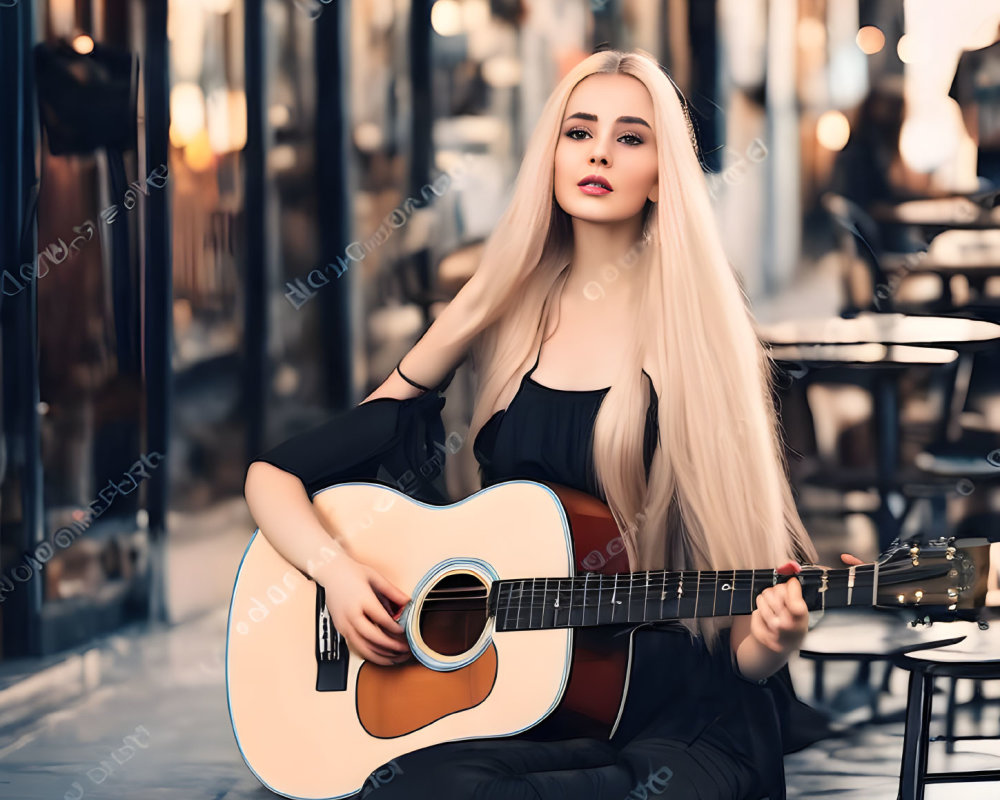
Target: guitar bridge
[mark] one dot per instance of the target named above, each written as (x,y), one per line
(331,650)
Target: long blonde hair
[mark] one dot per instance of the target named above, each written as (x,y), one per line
(718,495)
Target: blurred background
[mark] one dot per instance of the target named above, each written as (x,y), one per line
(222,221)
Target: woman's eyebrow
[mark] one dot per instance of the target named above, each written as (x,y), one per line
(593,118)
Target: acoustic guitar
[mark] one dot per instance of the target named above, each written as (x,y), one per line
(519,594)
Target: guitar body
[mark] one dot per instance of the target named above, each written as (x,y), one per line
(307,735)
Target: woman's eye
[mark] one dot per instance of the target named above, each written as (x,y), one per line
(631,138)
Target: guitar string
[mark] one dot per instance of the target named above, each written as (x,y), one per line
(732,577)
(739,584)
(724,576)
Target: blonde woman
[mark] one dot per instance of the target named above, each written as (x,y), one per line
(643,384)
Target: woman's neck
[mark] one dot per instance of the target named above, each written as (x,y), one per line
(604,257)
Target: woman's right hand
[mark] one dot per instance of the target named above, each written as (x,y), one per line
(360,615)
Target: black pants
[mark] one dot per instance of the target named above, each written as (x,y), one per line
(576,769)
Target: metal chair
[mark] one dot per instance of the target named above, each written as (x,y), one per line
(981,661)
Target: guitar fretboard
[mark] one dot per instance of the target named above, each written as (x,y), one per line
(636,597)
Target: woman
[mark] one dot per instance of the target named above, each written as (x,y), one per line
(679,438)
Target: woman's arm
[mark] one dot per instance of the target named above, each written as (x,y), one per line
(442,347)
(280,505)
(279,502)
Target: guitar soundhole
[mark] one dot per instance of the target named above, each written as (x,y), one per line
(453,615)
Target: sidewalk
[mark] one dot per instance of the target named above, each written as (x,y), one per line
(145,708)
(156,725)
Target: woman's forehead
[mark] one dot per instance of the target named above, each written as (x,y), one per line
(615,94)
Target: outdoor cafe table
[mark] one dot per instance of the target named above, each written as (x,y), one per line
(883,344)
(938,214)
(974,255)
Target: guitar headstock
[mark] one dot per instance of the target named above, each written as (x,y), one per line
(949,573)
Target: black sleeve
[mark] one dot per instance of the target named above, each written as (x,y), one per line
(399,443)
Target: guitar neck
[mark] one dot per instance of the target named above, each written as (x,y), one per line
(597,599)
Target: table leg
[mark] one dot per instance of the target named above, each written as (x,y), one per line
(886,419)
(915,736)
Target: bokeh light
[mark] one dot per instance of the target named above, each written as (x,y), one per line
(870,40)
(833,130)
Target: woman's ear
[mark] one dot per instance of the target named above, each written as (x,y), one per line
(654,193)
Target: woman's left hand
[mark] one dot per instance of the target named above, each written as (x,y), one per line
(781,618)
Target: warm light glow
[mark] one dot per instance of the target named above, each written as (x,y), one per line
(237,120)
(186,20)
(446,18)
(812,34)
(502,72)
(475,14)
(187,113)
(62,17)
(279,115)
(833,130)
(368,137)
(906,49)
(83,44)
(226,120)
(218,6)
(198,154)
(930,138)
(870,40)
(281,159)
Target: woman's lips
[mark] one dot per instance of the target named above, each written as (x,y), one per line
(595,184)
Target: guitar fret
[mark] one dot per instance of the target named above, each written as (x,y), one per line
(739,600)
(716,588)
(614,597)
(697,593)
(732,591)
(687,606)
(520,597)
(506,610)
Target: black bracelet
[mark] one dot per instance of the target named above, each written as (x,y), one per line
(412,383)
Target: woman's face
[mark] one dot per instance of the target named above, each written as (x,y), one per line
(608,132)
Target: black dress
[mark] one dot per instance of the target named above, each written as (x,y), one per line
(692,727)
